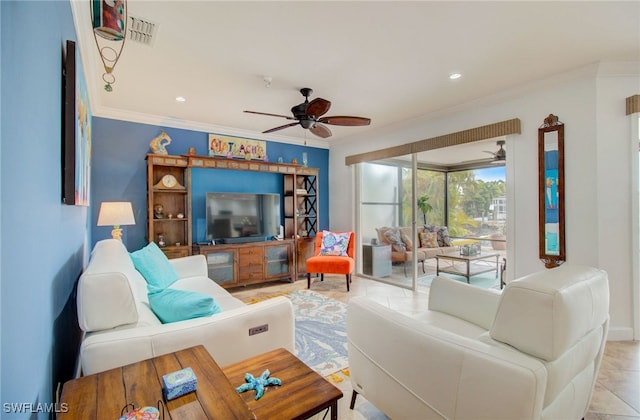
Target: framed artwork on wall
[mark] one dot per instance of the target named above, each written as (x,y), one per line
(76,130)
(551,191)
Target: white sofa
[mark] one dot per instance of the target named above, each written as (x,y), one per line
(113,310)
(531,352)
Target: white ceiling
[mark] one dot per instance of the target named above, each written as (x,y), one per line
(386,60)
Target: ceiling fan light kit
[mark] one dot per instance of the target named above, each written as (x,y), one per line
(309,115)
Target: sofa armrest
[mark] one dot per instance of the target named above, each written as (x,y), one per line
(410,369)
(191,266)
(464,301)
(225,335)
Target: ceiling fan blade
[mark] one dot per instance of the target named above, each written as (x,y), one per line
(318,107)
(271,115)
(280,128)
(320,130)
(345,120)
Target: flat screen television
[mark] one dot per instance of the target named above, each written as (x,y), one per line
(242,217)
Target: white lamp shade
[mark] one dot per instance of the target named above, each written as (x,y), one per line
(116,213)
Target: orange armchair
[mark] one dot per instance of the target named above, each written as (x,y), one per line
(332,264)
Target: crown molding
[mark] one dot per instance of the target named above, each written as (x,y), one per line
(142,118)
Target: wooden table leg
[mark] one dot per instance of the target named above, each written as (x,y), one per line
(334,411)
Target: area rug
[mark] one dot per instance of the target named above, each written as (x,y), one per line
(321,332)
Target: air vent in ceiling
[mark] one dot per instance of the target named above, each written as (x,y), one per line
(141,30)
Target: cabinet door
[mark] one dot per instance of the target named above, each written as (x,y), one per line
(221,266)
(278,261)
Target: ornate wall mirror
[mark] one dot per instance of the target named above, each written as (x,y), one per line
(551,191)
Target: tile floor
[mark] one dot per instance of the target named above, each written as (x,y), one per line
(617,392)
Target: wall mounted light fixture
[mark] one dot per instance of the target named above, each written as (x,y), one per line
(109,21)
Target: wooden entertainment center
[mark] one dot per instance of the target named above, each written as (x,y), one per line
(231,265)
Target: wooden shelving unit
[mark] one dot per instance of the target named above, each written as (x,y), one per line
(173,225)
(301,217)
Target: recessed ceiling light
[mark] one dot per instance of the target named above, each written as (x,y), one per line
(181,99)
(454,76)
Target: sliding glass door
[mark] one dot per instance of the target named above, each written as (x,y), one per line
(393,205)
(385,219)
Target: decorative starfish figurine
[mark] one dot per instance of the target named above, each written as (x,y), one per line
(258,383)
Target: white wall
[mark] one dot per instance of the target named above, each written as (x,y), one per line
(591,103)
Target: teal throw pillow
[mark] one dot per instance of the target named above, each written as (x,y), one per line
(172,305)
(334,243)
(154,266)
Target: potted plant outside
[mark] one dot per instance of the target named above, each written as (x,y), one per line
(424,206)
(500,239)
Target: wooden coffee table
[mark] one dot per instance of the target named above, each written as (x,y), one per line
(470,264)
(103,395)
(302,394)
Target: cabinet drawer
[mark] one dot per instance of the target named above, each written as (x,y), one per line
(250,275)
(252,267)
(251,252)
(175,252)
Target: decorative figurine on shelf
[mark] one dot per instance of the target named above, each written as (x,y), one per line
(158,211)
(161,241)
(258,383)
(294,161)
(158,144)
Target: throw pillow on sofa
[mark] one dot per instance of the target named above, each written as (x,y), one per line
(172,305)
(394,237)
(406,239)
(443,234)
(154,266)
(428,239)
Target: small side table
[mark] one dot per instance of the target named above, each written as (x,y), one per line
(376,260)
(302,394)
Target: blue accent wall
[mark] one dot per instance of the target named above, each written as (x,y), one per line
(44,242)
(119,173)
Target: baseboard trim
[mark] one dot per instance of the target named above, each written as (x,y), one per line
(620,334)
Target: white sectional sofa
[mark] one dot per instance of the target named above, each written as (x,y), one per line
(531,352)
(121,328)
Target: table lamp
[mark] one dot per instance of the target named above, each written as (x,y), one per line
(115,214)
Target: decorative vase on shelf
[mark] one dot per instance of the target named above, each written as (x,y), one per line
(305,159)
(158,211)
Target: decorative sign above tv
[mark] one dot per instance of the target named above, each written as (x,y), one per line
(237,147)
